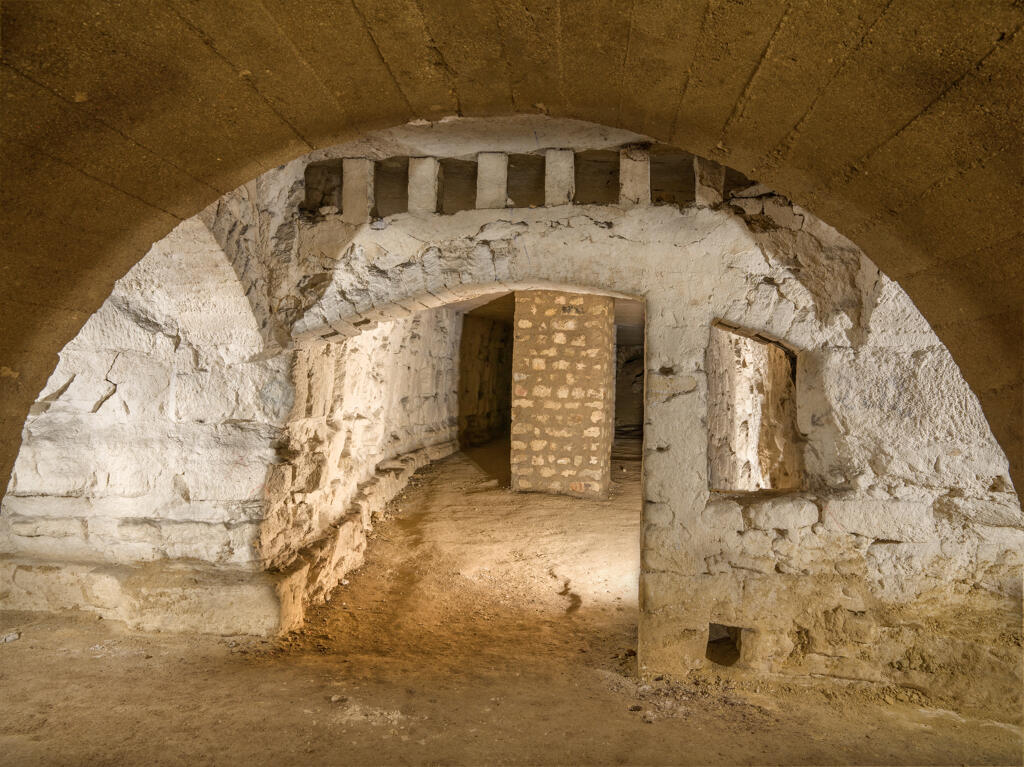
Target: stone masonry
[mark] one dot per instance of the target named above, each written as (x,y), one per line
(563,393)
(140,496)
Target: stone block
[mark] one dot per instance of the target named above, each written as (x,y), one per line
(424,181)
(492,180)
(634,177)
(357,200)
(783,514)
(891,520)
(723,516)
(559,177)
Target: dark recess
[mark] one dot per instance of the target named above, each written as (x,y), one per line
(526,180)
(672,181)
(723,644)
(597,177)
(391,186)
(458,185)
(322,185)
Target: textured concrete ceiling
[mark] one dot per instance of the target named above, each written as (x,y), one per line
(897,121)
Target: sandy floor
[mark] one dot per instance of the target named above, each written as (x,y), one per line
(485,628)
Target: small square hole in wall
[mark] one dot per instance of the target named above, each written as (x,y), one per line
(672,179)
(526,180)
(723,644)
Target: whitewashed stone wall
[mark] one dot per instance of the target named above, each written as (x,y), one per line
(907,520)
(179,471)
(152,437)
(906,515)
(369,410)
(138,491)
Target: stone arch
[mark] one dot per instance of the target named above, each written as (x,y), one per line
(917,186)
(777,272)
(349,449)
(882,496)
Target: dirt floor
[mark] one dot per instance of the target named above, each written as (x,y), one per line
(485,628)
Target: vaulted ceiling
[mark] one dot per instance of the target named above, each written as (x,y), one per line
(897,121)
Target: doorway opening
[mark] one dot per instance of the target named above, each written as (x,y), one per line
(485,386)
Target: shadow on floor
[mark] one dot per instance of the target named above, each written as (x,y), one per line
(494,459)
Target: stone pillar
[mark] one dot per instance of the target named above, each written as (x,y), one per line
(559,177)
(491,180)
(709,182)
(563,393)
(634,177)
(424,183)
(357,190)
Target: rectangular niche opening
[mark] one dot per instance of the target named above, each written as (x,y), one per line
(724,644)
(753,441)
(526,180)
(322,183)
(458,185)
(672,179)
(597,177)
(391,186)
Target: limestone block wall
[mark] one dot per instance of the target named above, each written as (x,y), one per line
(485,380)
(152,438)
(368,411)
(138,491)
(563,393)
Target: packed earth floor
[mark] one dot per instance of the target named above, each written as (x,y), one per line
(486,627)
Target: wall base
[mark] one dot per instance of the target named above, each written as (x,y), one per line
(321,566)
(157,596)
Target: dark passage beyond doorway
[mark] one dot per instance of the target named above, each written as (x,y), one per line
(485,387)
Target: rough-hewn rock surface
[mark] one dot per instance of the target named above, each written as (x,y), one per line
(900,557)
(751,415)
(369,410)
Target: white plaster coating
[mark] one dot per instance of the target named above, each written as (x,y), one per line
(916,514)
(357,195)
(423,184)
